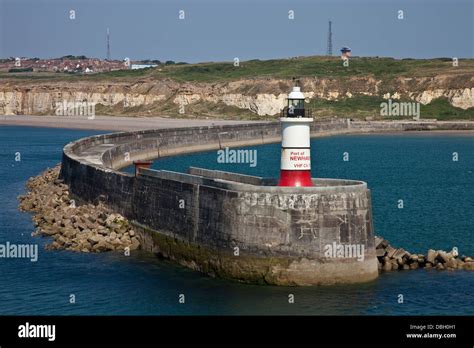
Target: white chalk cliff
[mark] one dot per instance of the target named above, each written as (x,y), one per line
(260,96)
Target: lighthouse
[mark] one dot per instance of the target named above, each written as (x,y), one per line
(295,168)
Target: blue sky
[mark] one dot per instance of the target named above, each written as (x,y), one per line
(221,30)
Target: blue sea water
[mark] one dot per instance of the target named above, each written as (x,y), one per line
(437,194)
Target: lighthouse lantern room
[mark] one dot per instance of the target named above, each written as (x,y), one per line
(296,103)
(295,169)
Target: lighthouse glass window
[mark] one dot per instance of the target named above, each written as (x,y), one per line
(296,103)
(295,108)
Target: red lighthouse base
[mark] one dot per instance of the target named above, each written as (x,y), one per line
(295,178)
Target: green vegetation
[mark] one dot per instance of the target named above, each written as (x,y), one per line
(361,107)
(120,74)
(71,57)
(315,66)
(151,61)
(442,110)
(166,108)
(381,68)
(357,107)
(19,70)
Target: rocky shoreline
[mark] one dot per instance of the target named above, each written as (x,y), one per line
(393,259)
(73,226)
(95,228)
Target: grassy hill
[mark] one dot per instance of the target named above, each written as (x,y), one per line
(313,66)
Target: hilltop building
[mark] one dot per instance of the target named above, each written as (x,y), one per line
(346,53)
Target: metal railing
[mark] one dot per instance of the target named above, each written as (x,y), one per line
(296,113)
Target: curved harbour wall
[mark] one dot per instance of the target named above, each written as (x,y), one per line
(233,225)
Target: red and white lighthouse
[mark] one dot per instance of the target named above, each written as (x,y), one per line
(295,169)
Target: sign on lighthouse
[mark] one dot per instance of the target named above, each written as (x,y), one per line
(295,169)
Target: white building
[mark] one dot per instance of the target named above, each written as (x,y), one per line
(142,66)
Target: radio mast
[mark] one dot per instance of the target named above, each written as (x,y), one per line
(329,50)
(108,44)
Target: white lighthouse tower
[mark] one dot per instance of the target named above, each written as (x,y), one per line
(295,169)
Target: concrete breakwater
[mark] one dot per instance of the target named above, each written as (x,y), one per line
(94,228)
(230,225)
